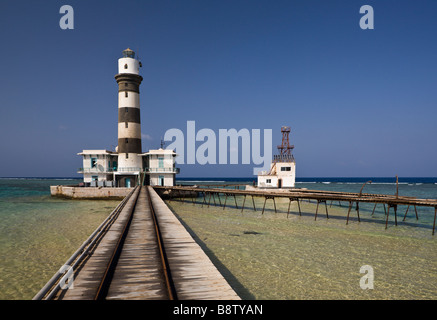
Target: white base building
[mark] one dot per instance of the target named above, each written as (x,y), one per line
(100,169)
(160,167)
(281,175)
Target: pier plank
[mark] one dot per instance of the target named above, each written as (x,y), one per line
(194,275)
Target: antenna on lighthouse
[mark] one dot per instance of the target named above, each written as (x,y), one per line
(139,59)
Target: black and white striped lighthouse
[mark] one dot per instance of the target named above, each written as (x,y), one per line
(129,123)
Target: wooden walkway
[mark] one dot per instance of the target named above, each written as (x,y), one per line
(208,195)
(143,253)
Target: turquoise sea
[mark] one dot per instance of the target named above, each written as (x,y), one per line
(263,256)
(38,233)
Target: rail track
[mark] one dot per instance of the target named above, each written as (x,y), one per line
(132,265)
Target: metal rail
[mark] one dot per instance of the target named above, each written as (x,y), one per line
(171,290)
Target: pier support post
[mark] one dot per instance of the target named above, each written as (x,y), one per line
(374,208)
(317,208)
(298,204)
(388,213)
(209,199)
(435,214)
(253,202)
(406,212)
(226,198)
(235,198)
(213,197)
(348,212)
(358,211)
(265,199)
(415,209)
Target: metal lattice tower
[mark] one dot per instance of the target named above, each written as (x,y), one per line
(285,148)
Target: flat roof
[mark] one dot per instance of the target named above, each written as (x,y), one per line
(89,152)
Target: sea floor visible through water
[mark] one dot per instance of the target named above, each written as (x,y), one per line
(38,233)
(274,257)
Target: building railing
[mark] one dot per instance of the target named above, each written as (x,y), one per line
(96,170)
(283,158)
(163,170)
(127,169)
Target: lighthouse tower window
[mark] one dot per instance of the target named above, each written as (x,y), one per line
(125,94)
(125,66)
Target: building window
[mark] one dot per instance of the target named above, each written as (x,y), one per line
(127,140)
(125,66)
(268,180)
(126,109)
(125,94)
(161,162)
(125,124)
(125,84)
(285,168)
(93,162)
(127,155)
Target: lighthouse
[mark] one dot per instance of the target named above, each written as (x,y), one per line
(130,161)
(127,166)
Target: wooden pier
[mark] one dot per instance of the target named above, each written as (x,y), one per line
(141,251)
(209,195)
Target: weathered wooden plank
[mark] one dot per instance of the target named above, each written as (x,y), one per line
(138,274)
(193,273)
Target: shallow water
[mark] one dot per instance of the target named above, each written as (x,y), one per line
(38,233)
(263,256)
(270,256)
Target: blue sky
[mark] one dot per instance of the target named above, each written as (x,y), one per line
(359,102)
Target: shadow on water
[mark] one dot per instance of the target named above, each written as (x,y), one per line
(242,292)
